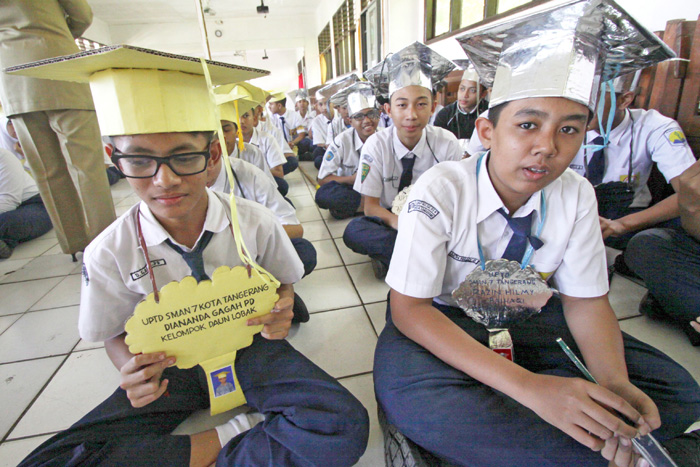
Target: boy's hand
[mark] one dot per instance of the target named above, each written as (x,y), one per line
(611,227)
(278,321)
(580,409)
(140,377)
(696,324)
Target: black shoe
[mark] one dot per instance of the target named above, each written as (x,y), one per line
(685,449)
(622,268)
(5,250)
(307,156)
(380,269)
(651,307)
(301,313)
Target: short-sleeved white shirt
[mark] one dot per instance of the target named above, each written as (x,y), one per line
(254,185)
(305,121)
(654,138)
(253,155)
(271,128)
(269,147)
(342,155)
(115,278)
(319,128)
(292,122)
(380,161)
(474,147)
(336,127)
(436,247)
(16,185)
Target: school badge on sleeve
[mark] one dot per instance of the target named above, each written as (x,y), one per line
(365,171)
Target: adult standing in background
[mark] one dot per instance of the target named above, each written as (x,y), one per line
(55,121)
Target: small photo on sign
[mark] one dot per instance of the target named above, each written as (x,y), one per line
(222,381)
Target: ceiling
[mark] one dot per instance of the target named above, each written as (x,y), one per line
(117,12)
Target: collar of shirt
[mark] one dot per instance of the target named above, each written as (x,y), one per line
(357,141)
(254,137)
(617,133)
(488,201)
(154,233)
(401,150)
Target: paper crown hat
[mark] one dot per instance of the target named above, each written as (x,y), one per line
(232,96)
(330,89)
(470,73)
(360,96)
(139,90)
(562,48)
(276,96)
(259,95)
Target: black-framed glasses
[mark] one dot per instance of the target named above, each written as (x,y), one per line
(137,166)
(371,114)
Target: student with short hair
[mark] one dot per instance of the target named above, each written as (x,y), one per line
(291,126)
(338,170)
(319,126)
(304,416)
(518,213)
(393,159)
(459,116)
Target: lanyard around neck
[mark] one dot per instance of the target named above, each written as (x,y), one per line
(530,250)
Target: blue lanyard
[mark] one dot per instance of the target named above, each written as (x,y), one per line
(530,250)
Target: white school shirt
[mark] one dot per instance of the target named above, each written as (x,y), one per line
(474,146)
(16,185)
(305,121)
(380,161)
(319,128)
(270,127)
(253,155)
(342,155)
(292,122)
(655,138)
(252,184)
(436,247)
(115,277)
(269,147)
(385,121)
(336,127)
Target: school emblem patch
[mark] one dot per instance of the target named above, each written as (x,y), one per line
(330,156)
(675,137)
(365,171)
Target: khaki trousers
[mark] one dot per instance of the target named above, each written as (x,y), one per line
(64,151)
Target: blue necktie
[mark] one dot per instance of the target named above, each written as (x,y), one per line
(407,173)
(596,166)
(284,129)
(521,227)
(194,258)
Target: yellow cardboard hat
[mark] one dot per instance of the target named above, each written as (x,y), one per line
(222,374)
(277,96)
(229,97)
(139,90)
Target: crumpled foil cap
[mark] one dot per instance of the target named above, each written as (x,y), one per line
(378,75)
(562,48)
(417,65)
(628,82)
(298,95)
(470,73)
(360,96)
(328,90)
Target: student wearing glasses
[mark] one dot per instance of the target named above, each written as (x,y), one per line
(302,416)
(337,173)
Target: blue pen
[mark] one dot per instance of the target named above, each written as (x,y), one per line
(647,446)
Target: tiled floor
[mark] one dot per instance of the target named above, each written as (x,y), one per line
(51,378)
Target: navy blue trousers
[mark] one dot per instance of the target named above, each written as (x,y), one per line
(468,423)
(318,156)
(310,419)
(305,145)
(291,165)
(282,185)
(28,221)
(340,199)
(369,235)
(669,262)
(306,252)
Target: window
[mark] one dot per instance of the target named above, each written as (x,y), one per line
(325,54)
(445,17)
(344,38)
(370,33)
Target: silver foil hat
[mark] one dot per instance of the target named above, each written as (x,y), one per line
(378,75)
(297,95)
(562,48)
(328,90)
(360,96)
(340,98)
(470,73)
(628,82)
(416,65)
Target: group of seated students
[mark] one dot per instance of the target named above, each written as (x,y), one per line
(434,219)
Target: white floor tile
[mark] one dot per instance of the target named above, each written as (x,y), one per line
(84,381)
(12,452)
(85,345)
(33,248)
(362,387)
(370,288)
(625,296)
(326,254)
(54,250)
(8,266)
(302,201)
(377,313)
(308,213)
(22,382)
(7,321)
(17,299)
(313,230)
(337,227)
(611,254)
(40,334)
(349,256)
(43,267)
(66,293)
(341,342)
(667,338)
(330,290)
